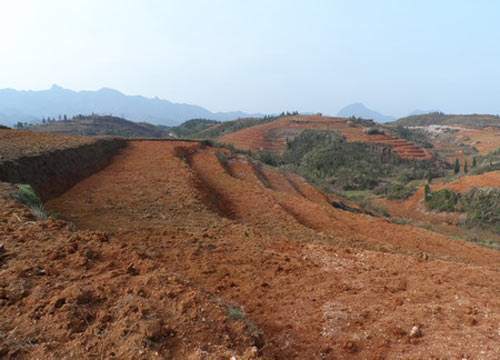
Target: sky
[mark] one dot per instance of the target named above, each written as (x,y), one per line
(262,55)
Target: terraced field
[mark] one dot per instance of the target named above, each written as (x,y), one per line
(273,136)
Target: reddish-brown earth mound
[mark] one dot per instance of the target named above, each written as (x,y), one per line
(273,136)
(311,281)
(15,144)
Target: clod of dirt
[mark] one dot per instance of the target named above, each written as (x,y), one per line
(132,270)
(415,332)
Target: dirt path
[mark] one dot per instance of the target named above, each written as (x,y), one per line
(317,281)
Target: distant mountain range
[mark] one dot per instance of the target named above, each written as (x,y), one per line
(361,111)
(32,106)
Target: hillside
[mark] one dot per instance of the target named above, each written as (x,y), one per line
(102,125)
(191,128)
(232,126)
(30,106)
(179,250)
(437,118)
(453,223)
(273,136)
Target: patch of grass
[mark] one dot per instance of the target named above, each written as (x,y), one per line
(357,195)
(401,221)
(26,195)
(235,313)
(371,208)
(396,191)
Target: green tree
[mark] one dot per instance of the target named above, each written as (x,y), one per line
(456,169)
(427,192)
(474,162)
(429,177)
(466,167)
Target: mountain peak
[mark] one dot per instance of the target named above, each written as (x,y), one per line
(107,90)
(56,87)
(359,109)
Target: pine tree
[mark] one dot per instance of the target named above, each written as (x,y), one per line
(474,162)
(457,166)
(429,177)
(466,167)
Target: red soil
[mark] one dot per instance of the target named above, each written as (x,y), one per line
(273,136)
(15,144)
(317,281)
(82,294)
(414,207)
(484,140)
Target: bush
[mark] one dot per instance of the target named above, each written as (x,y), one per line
(482,207)
(374,131)
(442,200)
(396,191)
(486,163)
(268,158)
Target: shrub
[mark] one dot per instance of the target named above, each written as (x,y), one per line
(374,131)
(482,207)
(396,191)
(442,200)
(26,195)
(268,158)
(235,313)
(486,163)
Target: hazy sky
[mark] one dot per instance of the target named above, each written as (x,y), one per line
(262,55)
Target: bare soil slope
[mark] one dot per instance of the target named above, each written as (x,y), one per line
(16,144)
(317,282)
(274,135)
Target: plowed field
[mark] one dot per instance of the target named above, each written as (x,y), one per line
(311,280)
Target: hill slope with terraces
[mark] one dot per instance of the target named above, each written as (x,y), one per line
(438,118)
(181,250)
(274,135)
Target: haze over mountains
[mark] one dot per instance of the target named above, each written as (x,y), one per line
(29,106)
(361,111)
(32,106)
